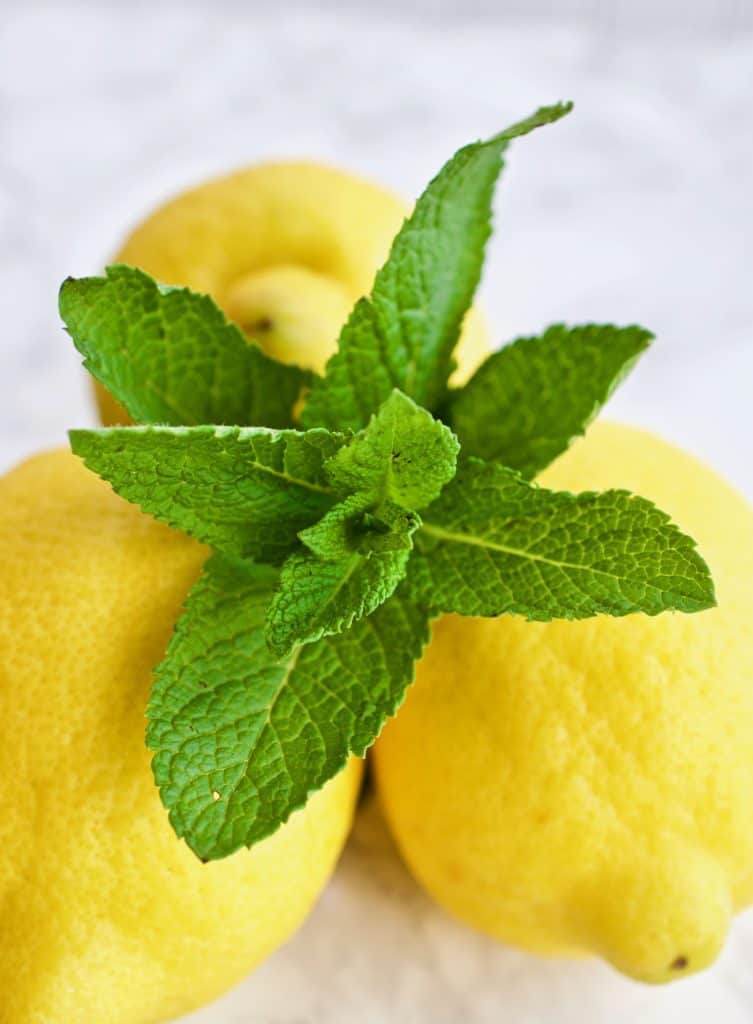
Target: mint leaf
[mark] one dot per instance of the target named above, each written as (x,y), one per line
(351,527)
(391,530)
(170,356)
(527,402)
(493,543)
(318,597)
(241,739)
(404,456)
(352,566)
(247,491)
(404,335)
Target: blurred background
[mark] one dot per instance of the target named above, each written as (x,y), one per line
(637,208)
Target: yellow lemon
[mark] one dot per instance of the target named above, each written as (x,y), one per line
(286,249)
(585,787)
(105,916)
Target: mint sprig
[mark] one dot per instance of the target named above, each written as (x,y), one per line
(334,545)
(358,553)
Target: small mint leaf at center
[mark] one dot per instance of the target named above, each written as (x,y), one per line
(319,597)
(351,527)
(354,562)
(403,456)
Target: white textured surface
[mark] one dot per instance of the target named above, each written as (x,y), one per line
(637,208)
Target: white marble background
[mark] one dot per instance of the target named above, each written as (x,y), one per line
(637,208)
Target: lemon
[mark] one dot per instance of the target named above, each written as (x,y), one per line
(105,916)
(285,249)
(585,787)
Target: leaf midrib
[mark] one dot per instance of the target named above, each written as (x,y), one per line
(483,542)
(308,485)
(252,464)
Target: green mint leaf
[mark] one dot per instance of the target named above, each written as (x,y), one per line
(242,739)
(493,543)
(354,563)
(318,597)
(337,533)
(404,456)
(404,335)
(351,527)
(391,530)
(246,491)
(528,401)
(170,356)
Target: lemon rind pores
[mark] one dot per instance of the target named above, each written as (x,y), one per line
(107,915)
(584,788)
